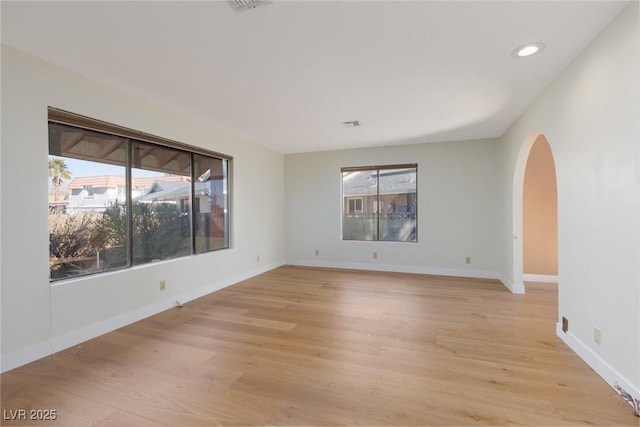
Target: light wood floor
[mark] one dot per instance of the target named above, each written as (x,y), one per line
(303,346)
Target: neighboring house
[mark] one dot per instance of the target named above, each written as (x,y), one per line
(397,194)
(209,203)
(172,192)
(97,193)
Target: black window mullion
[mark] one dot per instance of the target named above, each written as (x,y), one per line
(377,205)
(129,202)
(193,204)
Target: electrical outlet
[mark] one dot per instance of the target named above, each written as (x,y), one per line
(565,325)
(375,255)
(467,260)
(597,336)
(258,258)
(317,252)
(163,285)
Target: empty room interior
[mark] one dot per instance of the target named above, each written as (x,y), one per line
(320,213)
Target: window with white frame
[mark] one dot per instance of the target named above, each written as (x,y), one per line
(354,205)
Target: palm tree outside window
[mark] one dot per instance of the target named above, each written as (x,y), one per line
(59,173)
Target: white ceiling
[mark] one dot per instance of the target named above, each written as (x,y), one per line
(286,75)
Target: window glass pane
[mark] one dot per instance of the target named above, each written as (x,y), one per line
(211,203)
(397,205)
(87,220)
(359,206)
(161,202)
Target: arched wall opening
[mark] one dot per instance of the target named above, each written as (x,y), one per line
(535,161)
(540,215)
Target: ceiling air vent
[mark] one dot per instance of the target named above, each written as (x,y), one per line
(351,124)
(248,4)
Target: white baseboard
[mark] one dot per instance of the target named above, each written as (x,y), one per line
(436,271)
(516,288)
(544,278)
(25,355)
(45,348)
(599,365)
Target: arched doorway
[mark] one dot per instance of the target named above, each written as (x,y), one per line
(540,215)
(535,213)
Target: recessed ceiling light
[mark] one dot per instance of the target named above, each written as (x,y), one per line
(527,50)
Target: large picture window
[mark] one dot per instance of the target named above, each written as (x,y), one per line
(119,198)
(380,203)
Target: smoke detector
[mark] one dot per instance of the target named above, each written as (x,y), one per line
(248,4)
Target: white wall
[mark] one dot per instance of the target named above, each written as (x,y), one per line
(457,209)
(591,117)
(37,316)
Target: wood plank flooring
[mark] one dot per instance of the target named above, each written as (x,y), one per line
(305,346)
